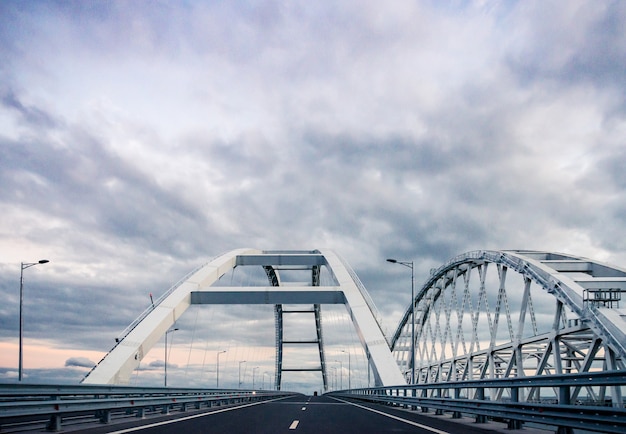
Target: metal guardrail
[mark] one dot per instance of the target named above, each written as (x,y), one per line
(23,401)
(468,397)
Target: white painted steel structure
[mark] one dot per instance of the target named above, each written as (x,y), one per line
(507,314)
(201,287)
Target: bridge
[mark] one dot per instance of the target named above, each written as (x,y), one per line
(527,338)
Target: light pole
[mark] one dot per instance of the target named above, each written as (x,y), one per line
(24,266)
(243,361)
(409,264)
(166,333)
(341,371)
(217,370)
(253,371)
(349,370)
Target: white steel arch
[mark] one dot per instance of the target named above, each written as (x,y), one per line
(200,287)
(499,314)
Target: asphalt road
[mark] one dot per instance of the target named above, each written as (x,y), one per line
(296,415)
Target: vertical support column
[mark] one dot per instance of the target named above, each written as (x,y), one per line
(278,318)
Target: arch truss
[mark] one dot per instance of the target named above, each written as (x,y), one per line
(500,314)
(202,286)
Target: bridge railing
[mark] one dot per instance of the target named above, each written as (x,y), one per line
(555,408)
(23,403)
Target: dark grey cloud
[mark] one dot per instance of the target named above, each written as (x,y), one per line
(80,362)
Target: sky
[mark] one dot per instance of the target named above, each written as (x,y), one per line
(141,139)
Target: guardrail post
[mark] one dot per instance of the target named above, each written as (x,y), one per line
(514,424)
(54,424)
(564,395)
(424,395)
(457,396)
(480,394)
(104,416)
(564,399)
(141,412)
(438,411)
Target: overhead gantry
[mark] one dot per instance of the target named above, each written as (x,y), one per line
(202,287)
(502,314)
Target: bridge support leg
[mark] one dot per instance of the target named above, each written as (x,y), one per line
(54,424)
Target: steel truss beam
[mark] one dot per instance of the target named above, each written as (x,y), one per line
(505,314)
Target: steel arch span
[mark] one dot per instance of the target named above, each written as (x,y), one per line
(202,287)
(501,314)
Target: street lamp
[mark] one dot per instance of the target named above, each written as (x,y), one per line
(349,370)
(409,264)
(24,266)
(166,333)
(341,371)
(263,386)
(243,361)
(217,376)
(253,371)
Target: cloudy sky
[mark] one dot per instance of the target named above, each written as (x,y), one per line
(140,139)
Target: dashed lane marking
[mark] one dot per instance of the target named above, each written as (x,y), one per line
(294,424)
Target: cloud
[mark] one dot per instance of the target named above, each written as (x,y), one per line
(80,362)
(139,141)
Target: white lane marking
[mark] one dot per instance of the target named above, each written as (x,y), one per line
(410,422)
(167,422)
(294,424)
(303,408)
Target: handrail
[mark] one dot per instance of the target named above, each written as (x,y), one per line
(19,401)
(471,397)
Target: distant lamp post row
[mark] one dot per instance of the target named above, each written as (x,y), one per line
(243,361)
(24,266)
(409,264)
(349,369)
(217,374)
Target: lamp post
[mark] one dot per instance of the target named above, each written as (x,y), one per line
(253,371)
(24,266)
(341,372)
(217,370)
(166,333)
(409,264)
(349,370)
(243,361)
